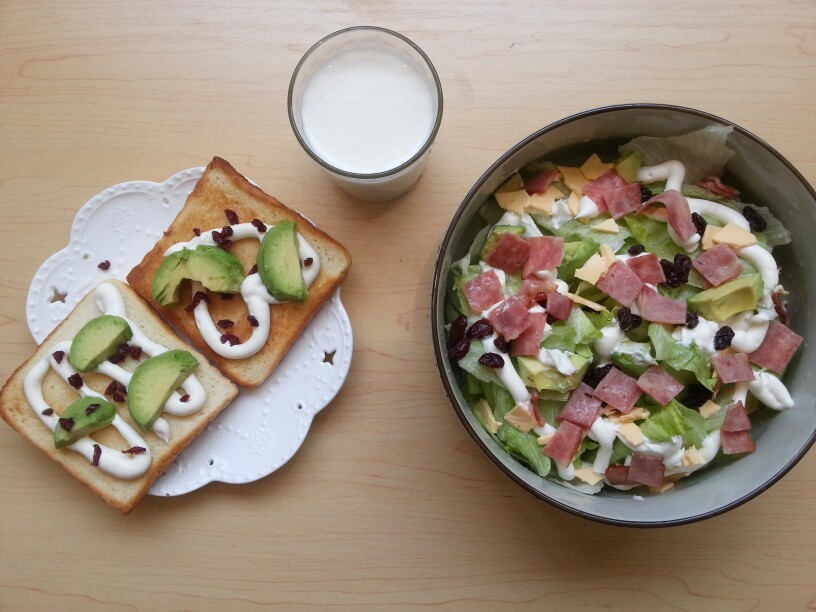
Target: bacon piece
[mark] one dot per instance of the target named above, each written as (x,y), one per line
(483,291)
(660,309)
(736,419)
(558,306)
(565,443)
(718,264)
(619,390)
(618,475)
(678,211)
(510,318)
(736,442)
(623,200)
(541,181)
(582,408)
(546,252)
(777,348)
(598,189)
(621,283)
(533,287)
(648,268)
(647,470)
(529,341)
(509,254)
(732,367)
(659,385)
(716,186)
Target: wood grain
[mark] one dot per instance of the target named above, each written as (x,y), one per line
(388,504)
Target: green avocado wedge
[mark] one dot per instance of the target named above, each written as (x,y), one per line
(97,340)
(153,381)
(84,416)
(279,263)
(212,266)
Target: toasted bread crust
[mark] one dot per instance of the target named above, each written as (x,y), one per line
(221,188)
(122,494)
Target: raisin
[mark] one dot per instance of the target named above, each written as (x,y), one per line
(117,397)
(699,223)
(492,360)
(103,265)
(674,278)
(120,387)
(111,388)
(637,249)
(47,412)
(683,263)
(66,424)
(197,231)
(723,338)
(91,409)
(645,194)
(232,217)
(481,329)
(253,322)
(259,225)
(185,398)
(231,338)
(124,349)
(218,237)
(501,344)
(636,321)
(58,355)
(117,358)
(692,320)
(135,450)
(308,262)
(226,231)
(225,323)
(227,245)
(756,222)
(594,376)
(459,350)
(75,380)
(135,352)
(696,396)
(457,330)
(96,454)
(627,319)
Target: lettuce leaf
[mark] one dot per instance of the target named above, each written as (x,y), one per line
(690,358)
(674,419)
(575,231)
(470,364)
(653,235)
(525,448)
(499,399)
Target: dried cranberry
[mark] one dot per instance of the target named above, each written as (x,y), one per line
(116,358)
(226,296)
(135,450)
(124,349)
(225,323)
(699,223)
(231,338)
(723,338)
(674,277)
(259,225)
(75,380)
(253,322)
(253,269)
(96,454)
(232,217)
(135,352)
(185,398)
(121,388)
(481,329)
(459,350)
(226,231)
(308,262)
(594,376)
(200,296)
(457,330)
(117,397)
(227,245)
(197,231)
(501,344)
(48,412)
(217,237)
(111,388)
(756,221)
(66,424)
(627,319)
(683,263)
(58,355)
(492,360)
(645,194)
(637,249)
(91,409)
(103,265)
(692,320)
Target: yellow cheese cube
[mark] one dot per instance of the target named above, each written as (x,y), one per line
(692,457)
(709,409)
(543,202)
(631,433)
(545,439)
(573,178)
(609,226)
(734,235)
(608,255)
(594,167)
(708,236)
(588,476)
(513,201)
(484,411)
(592,270)
(520,418)
(574,203)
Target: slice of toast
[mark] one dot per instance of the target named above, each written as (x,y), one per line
(222,188)
(120,493)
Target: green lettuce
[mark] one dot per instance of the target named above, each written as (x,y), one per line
(470,364)
(674,419)
(576,231)
(525,448)
(499,398)
(689,358)
(653,235)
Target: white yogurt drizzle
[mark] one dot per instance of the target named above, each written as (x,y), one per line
(253,291)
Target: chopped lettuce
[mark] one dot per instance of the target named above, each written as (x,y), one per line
(690,358)
(576,254)
(525,448)
(499,399)
(674,419)
(567,335)
(470,363)
(634,358)
(653,235)
(573,231)
(619,452)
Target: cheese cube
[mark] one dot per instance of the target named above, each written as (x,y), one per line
(588,476)
(573,178)
(631,433)
(589,303)
(520,418)
(513,201)
(709,409)
(609,226)
(543,202)
(545,439)
(608,255)
(707,241)
(593,167)
(574,203)
(692,457)
(734,235)
(592,270)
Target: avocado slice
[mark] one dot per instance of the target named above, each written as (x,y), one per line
(496,233)
(514,183)
(153,382)
(85,418)
(279,263)
(542,377)
(97,340)
(576,254)
(215,268)
(628,166)
(738,295)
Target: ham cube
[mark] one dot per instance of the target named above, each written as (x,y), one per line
(601,186)
(732,367)
(660,309)
(648,268)
(621,284)
(541,181)
(678,211)
(659,385)
(483,291)
(777,348)
(509,254)
(718,264)
(619,390)
(736,442)
(623,200)
(618,475)
(510,318)
(736,419)
(546,253)
(646,469)
(558,306)
(582,408)
(565,443)
(529,341)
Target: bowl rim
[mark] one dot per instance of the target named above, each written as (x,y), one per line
(439,344)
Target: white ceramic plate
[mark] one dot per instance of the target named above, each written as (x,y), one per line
(262,428)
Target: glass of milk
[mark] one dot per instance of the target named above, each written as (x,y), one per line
(365,103)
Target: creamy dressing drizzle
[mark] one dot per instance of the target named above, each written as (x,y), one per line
(253,291)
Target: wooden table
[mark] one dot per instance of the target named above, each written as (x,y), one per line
(389,503)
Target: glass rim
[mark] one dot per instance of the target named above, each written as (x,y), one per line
(363,175)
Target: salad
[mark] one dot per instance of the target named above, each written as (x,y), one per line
(621,323)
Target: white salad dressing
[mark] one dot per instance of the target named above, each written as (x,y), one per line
(253,291)
(604,432)
(748,332)
(587,209)
(605,346)
(771,391)
(702,335)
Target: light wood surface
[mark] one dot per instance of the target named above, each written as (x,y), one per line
(389,503)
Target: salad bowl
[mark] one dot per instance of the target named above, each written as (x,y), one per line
(763,176)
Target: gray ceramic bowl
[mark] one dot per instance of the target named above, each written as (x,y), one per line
(764,177)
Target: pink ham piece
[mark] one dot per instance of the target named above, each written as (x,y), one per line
(546,253)
(582,408)
(510,318)
(535,288)
(621,284)
(777,348)
(718,264)
(736,442)
(648,268)
(483,291)
(605,184)
(623,200)
(736,419)
(509,254)
(618,475)
(529,341)
(541,181)
(565,443)
(717,187)
(647,470)
(558,306)
(732,367)
(619,390)
(660,309)
(659,385)
(679,212)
